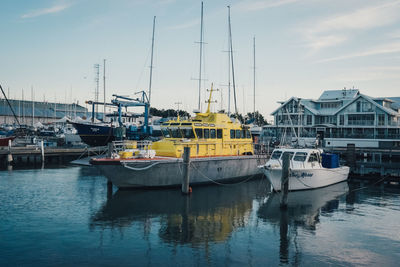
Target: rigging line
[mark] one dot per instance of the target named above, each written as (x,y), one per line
(231,51)
(230,184)
(15,116)
(143,68)
(151,61)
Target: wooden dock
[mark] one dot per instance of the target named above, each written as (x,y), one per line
(35,154)
(371,163)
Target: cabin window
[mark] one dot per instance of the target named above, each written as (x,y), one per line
(213,133)
(176,133)
(276,154)
(232,134)
(199,132)
(206,133)
(165,132)
(248,134)
(188,133)
(238,133)
(219,133)
(300,156)
(313,157)
(243,134)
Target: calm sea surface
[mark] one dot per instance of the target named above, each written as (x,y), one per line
(63,217)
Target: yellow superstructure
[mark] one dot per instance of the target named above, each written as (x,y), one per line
(207,134)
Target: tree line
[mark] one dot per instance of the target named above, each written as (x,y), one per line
(251,117)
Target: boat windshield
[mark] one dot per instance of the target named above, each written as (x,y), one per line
(188,133)
(165,132)
(176,133)
(276,154)
(300,156)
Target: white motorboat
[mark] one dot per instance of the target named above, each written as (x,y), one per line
(308,169)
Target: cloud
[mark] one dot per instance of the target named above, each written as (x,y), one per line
(45,11)
(185,25)
(342,27)
(251,5)
(369,74)
(378,50)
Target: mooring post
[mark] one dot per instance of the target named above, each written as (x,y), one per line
(42,150)
(109,189)
(110,149)
(186,170)
(285,180)
(9,156)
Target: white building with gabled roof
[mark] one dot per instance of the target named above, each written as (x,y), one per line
(339,117)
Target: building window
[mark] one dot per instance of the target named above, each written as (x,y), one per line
(381,119)
(309,119)
(360,119)
(341,119)
(358,106)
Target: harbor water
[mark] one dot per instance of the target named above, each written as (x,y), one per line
(64,217)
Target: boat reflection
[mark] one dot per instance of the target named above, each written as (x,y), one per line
(210,214)
(303,209)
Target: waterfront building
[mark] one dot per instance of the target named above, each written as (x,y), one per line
(30,112)
(338,118)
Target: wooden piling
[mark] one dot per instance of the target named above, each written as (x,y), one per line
(109,189)
(9,156)
(110,149)
(351,156)
(285,180)
(42,150)
(186,170)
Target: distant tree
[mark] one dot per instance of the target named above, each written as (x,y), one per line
(257,118)
(168,113)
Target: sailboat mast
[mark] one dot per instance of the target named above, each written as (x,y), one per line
(151,60)
(229,74)
(231,52)
(201,54)
(104,87)
(254,76)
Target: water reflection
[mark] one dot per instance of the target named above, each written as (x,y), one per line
(210,214)
(303,210)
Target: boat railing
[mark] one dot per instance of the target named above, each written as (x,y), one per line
(131,144)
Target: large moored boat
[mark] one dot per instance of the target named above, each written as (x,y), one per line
(221,150)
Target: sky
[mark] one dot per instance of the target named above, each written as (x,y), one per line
(302,47)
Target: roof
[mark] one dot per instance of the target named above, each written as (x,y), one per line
(339,94)
(284,103)
(369,99)
(396,102)
(41,109)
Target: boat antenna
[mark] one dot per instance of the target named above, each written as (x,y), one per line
(178,103)
(231,51)
(151,59)
(209,99)
(201,53)
(8,102)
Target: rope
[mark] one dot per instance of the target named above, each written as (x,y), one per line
(140,169)
(218,183)
(364,187)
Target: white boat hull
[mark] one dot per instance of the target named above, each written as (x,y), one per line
(168,172)
(310,178)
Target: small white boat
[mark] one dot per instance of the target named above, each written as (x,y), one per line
(309,168)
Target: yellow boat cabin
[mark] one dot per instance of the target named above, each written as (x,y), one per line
(207,134)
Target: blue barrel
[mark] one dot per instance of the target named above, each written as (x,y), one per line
(330,160)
